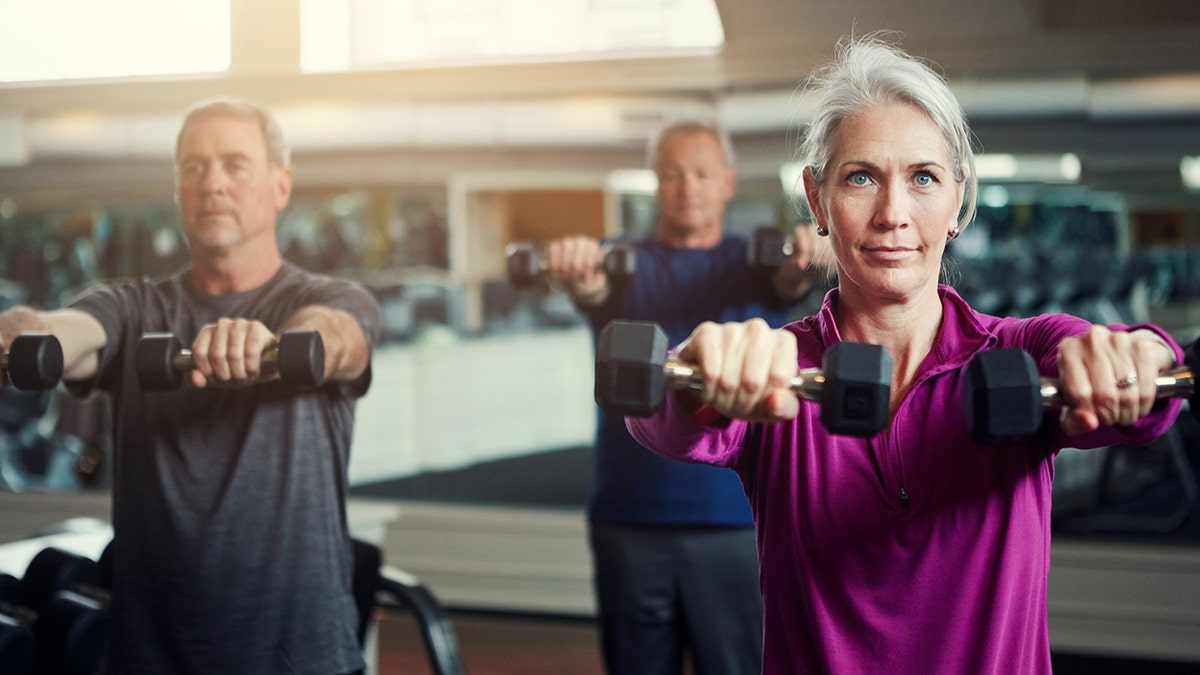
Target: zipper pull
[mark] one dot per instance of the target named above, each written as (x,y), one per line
(903,497)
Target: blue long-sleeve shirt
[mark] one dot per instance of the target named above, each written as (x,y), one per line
(678,288)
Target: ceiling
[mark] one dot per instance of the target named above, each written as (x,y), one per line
(1116,82)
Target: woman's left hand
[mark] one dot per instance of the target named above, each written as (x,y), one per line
(1107,377)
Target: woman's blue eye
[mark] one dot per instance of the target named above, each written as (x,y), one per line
(924,179)
(859,178)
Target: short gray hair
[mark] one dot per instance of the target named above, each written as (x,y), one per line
(687,127)
(870,70)
(278,153)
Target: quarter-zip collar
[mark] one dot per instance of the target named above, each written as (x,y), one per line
(960,336)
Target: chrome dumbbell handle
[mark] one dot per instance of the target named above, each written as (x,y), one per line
(1177,382)
(807,383)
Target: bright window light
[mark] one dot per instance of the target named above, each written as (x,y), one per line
(68,39)
(633,181)
(791,175)
(995,167)
(1064,168)
(1189,171)
(336,35)
(995,196)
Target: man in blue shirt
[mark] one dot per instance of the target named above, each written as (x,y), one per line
(673,544)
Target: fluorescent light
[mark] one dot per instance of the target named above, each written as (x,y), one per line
(633,181)
(1189,171)
(995,196)
(790,175)
(995,167)
(1028,168)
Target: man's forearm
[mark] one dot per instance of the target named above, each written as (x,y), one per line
(347,352)
(79,333)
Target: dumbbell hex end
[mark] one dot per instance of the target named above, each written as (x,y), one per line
(524,265)
(1002,398)
(35,361)
(629,368)
(856,396)
(301,358)
(154,361)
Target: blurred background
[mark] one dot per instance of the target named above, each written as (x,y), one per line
(428,135)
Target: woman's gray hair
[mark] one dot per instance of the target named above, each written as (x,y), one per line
(870,70)
(278,153)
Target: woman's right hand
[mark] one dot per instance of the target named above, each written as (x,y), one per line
(747,369)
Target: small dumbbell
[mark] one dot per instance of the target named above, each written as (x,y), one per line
(162,362)
(526,264)
(16,638)
(70,631)
(1005,399)
(54,569)
(633,371)
(16,646)
(769,247)
(33,361)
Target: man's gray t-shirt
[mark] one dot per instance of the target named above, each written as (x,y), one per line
(231,551)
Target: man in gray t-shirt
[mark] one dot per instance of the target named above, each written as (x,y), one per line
(231,549)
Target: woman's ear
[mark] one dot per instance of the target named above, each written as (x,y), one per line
(812,191)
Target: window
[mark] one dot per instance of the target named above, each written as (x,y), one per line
(338,35)
(69,39)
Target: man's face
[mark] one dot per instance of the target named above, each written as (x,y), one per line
(694,182)
(227,191)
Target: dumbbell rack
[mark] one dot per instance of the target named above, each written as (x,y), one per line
(376,586)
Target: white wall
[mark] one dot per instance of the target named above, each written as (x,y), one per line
(438,405)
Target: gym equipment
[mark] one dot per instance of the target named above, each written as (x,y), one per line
(769,247)
(70,630)
(16,646)
(54,569)
(33,361)
(1005,399)
(526,266)
(162,361)
(378,585)
(633,371)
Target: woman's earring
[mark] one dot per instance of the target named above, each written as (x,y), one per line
(953,234)
(822,231)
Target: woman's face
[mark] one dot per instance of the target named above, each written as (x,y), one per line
(889,201)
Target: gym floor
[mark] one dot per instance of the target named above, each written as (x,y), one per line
(506,644)
(497,643)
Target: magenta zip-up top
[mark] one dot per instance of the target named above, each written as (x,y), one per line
(917,550)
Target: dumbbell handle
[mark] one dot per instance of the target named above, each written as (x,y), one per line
(544,266)
(808,382)
(1177,382)
(185,360)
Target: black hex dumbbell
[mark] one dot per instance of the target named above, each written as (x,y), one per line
(526,265)
(162,361)
(54,569)
(633,372)
(17,645)
(69,623)
(33,361)
(769,247)
(1005,399)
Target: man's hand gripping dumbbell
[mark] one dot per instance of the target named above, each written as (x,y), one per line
(753,375)
(527,264)
(298,357)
